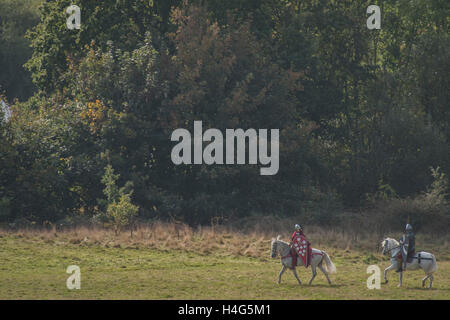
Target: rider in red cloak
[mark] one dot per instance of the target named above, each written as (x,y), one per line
(301,245)
(298,231)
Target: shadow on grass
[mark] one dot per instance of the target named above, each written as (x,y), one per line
(324,285)
(420,288)
(318,285)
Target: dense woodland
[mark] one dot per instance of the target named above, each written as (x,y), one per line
(364,115)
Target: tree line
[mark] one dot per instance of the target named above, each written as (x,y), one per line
(363,114)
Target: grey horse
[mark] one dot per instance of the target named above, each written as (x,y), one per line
(318,257)
(421,260)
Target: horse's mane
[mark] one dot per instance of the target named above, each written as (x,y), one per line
(284,242)
(392,239)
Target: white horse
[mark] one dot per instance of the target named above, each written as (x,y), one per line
(420,260)
(284,250)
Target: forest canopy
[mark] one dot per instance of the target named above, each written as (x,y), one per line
(364,115)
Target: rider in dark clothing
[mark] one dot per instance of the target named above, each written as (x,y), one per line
(408,247)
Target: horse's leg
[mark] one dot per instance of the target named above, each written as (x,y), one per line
(324,272)
(283,268)
(314,272)
(400,275)
(294,271)
(425,279)
(392,266)
(431,281)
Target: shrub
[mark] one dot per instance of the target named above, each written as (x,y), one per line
(122,213)
(428,211)
(436,194)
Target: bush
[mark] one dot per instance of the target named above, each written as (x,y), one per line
(428,211)
(437,193)
(122,213)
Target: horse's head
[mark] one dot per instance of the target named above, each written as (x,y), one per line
(388,244)
(274,246)
(384,245)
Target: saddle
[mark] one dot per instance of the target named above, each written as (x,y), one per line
(409,258)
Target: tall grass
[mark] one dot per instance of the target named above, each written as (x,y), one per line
(249,237)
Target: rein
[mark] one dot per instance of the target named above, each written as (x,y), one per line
(290,254)
(419,258)
(389,250)
(393,248)
(286,256)
(392,255)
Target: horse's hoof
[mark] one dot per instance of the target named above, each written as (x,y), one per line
(386,281)
(399,286)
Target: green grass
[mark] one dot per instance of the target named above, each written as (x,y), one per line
(35,268)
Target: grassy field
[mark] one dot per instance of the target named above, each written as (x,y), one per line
(207,265)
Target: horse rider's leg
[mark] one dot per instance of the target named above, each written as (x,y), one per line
(392,266)
(314,273)
(283,268)
(425,279)
(400,278)
(294,271)
(324,272)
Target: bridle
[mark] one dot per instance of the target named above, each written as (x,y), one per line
(389,250)
(275,249)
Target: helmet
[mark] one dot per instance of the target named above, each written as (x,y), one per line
(408,227)
(298,227)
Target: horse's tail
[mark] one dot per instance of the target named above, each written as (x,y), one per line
(329,265)
(433,265)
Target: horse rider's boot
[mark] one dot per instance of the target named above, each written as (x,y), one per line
(400,263)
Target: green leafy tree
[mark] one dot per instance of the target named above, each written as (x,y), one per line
(111,190)
(119,209)
(122,213)
(123,22)
(16,17)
